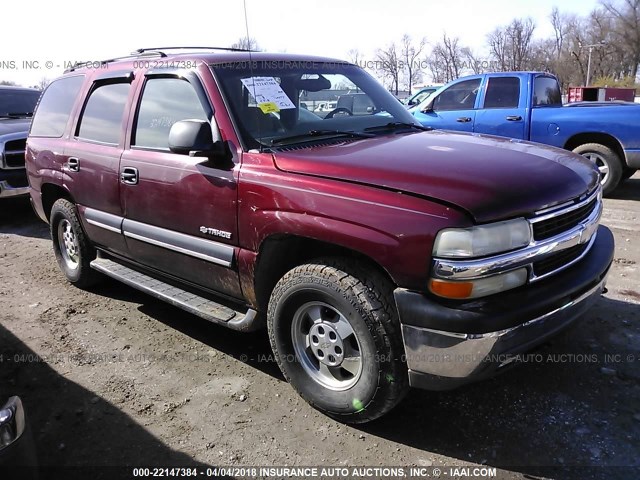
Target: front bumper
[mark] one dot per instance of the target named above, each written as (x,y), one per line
(13,183)
(7,190)
(448,345)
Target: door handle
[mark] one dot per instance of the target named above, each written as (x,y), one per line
(463,119)
(514,118)
(129,175)
(73,164)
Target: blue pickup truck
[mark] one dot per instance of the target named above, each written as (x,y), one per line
(528,106)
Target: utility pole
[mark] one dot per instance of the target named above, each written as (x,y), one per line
(591,47)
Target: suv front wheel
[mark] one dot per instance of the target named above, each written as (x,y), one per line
(71,246)
(334,330)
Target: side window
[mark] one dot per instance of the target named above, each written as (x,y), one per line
(165,101)
(502,92)
(546,91)
(461,96)
(54,109)
(102,116)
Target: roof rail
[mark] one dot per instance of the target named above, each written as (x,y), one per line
(160,49)
(77,65)
(150,52)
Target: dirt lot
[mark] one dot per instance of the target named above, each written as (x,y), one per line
(113,377)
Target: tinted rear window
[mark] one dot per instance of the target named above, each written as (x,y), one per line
(55,107)
(102,117)
(502,92)
(546,91)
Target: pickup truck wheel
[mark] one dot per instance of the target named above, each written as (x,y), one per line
(607,161)
(71,246)
(334,330)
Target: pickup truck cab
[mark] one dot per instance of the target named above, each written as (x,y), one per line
(377,255)
(528,106)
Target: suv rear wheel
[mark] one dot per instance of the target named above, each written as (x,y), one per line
(71,246)
(334,330)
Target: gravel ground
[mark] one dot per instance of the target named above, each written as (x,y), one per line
(113,377)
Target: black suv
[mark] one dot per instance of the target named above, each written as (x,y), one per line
(16,109)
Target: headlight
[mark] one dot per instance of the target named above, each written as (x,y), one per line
(482,240)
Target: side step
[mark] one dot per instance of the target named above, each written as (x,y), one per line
(200,306)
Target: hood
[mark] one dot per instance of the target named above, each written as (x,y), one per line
(14,125)
(491,178)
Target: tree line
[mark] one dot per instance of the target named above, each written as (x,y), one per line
(611,32)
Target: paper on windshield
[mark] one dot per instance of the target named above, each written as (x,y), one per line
(268,94)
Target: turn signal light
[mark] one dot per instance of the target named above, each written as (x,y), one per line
(451,289)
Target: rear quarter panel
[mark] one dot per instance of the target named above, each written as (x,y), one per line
(556,125)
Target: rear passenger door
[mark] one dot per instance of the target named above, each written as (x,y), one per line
(503,110)
(92,164)
(180,211)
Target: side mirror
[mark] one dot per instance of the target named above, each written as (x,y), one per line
(196,138)
(411,103)
(428,108)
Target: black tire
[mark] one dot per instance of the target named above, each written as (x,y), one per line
(627,173)
(363,298)
(607,161)
(75,265)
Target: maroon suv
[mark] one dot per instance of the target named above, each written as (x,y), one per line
(379,256)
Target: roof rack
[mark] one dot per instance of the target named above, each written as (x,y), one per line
(77,65)
(160,49)
(151,52)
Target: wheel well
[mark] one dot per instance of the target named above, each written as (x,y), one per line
(50,193)
(280,253)
(601,138)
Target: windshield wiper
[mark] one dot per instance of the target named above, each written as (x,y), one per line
(398,126)
(320,133)
(16,115)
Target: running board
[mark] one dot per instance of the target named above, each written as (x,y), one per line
(195,304)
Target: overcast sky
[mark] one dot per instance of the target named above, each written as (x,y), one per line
(59,31)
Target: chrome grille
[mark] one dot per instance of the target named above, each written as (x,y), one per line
(557,260)
(553,224)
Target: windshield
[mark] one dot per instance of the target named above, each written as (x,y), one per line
(17,102)
(289,102)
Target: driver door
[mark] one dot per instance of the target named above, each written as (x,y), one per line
(454,108)
(180,211)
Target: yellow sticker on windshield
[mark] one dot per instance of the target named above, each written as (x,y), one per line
(268,107)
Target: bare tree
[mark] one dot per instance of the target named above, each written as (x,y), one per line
(473,62)
(355,56)
(389,65)
(8,83)
(446,59)
(43,83)
(510,46)
(559,30)
(247,43)
(626,14)
(410,54)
